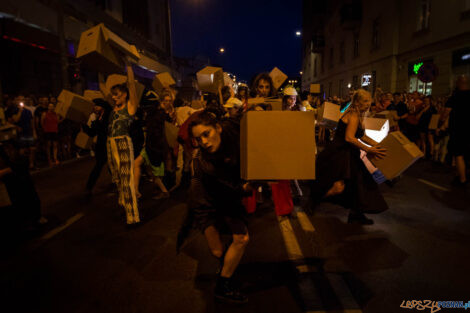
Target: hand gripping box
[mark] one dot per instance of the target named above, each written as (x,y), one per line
(162,81)
(83,141)
(278,77)
(434,122)
(329,114)
(210,78)
(376,128)
(96,53)
(277,145)
(73,107)
(401,154)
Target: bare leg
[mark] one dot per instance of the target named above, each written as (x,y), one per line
(431,143)
(137,172)
(160,184)
(214,242)
(460,164)
(234,254)
(54,150)
(336,189)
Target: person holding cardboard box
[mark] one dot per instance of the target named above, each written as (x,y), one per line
(342,177)
(119,145)
(215,195)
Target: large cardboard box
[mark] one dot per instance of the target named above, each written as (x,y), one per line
(376,128)
(7,132)
(275,103)
(434,122)
(329,114)
(315,88)
(227,80)
(115,79)
(210,79)
(73,107)
(118,43)
(390,115)
(401,154)
(277,145)
(278,77)
(162,81)
(96,53)
(93,94)
(83,141)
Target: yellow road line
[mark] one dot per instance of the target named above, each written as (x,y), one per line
(292,245)
(304,222)
(424,181)
(57,230)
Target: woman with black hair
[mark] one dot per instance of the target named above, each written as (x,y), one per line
(119,144)
(263,86)
(154,152)
(215,195)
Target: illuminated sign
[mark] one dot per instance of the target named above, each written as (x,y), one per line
(366,79)
(416,67)
(466,57)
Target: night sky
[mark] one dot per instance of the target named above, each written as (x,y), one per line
(257,35)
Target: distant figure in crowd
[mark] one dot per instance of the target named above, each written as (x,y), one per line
(459,143)
(50,125)
(342,177)
(215,195)
(119,145)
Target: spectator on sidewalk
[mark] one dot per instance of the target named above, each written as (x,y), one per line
(24,122)
(50,124)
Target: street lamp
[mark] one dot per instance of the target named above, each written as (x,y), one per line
(221,50)
(301,73)
(298,33)
(349,85)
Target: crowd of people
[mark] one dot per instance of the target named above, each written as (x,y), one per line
(133,139)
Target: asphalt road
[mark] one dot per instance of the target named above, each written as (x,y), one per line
(85,260)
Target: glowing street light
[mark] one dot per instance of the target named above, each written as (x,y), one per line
(301,73)
(298,33)
(221,50)
(349,85)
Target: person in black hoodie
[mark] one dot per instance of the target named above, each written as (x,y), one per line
(99,127)
(459,145)
(215,195)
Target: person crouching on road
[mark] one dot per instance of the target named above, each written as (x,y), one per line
(215,195)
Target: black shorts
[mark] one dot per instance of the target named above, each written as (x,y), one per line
(207,216)
(51,136)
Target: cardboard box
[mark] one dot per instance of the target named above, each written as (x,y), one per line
(329,114)
(93,94)
(434,122)
(390,115)
(84,141)
(315,88)
(210,78)
(278,77)
(118,43)
(276,103)
(376,128)
(286,151)
(227,80)
(171,134)
(7,132)
(96,53)
(401,154)
(115,79)
(74,107)
(162,81)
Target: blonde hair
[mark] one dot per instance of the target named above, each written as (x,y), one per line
(356,97)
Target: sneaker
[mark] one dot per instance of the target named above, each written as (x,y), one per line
(359,218)
(226,292)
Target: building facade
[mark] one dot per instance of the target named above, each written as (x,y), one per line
(39,40)
(371,44)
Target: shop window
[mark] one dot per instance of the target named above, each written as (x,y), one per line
(419,86)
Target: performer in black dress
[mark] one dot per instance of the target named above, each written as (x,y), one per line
(342,177)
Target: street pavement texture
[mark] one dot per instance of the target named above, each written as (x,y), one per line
(85,260)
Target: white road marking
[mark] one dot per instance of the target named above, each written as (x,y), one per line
(292,245)
(432,184)
(304,221)
(67,223)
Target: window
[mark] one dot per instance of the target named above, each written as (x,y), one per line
(315,67)
(356,46)
(375,34)
(424,12)
(331,58)
(341,52)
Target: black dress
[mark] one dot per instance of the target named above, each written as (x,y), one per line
(342,161)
